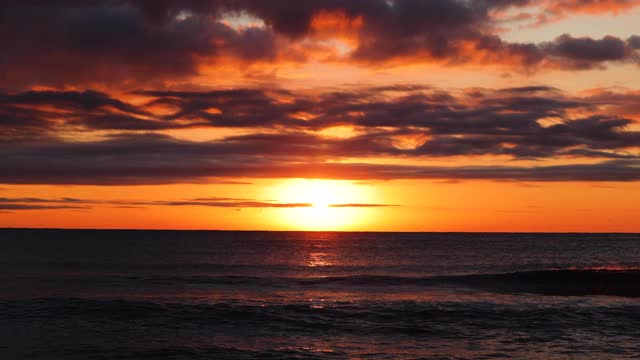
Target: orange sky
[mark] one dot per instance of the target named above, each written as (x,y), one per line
(400,115)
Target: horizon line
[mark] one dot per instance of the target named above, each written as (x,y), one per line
(323,231)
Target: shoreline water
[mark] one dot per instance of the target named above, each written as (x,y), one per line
(93,294)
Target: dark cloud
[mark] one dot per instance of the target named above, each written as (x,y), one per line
(126,122)
(525,122)
(135,160)
(5,200)
(35,115)
(436,110)
(587,52)
(504,122)
(620,103)
(69,100)
(294,18)
(18,207)
(426,31)
(228,204)
(16,204)
(634,42)
(617,170)
(597,154)
(120,43)
(66,42)
(448,31)
(232,108)
(530,89)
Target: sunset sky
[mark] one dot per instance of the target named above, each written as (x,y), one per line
(391,115)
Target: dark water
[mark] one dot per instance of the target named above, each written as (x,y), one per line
(295,295)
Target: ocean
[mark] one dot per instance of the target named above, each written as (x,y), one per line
(92,294)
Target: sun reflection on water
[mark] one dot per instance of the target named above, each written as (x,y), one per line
(319,258)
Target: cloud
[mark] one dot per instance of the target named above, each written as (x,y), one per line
(136,160)
(226,204)
(634,42)
(125,43)
(591,6)
(555,10)
(450,32)
(70,42)
(239,203)
(18,207)
(69,100)
(585,52)
(4,200)
(17,204)
(289,130)
(232,108)
(622,103)
(35,113)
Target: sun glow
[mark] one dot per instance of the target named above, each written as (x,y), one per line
(322,196)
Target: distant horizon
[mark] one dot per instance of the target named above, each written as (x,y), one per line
(328,231)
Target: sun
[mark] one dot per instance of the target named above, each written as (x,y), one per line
(318,193)
(321,195)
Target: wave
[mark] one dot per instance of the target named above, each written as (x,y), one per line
(227,353)
(93,351)
(430,319)
(74,328)
(624,282)
(230,353)
(606,281)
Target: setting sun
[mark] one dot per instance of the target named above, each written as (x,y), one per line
(333,204)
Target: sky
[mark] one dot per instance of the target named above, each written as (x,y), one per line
(382,115)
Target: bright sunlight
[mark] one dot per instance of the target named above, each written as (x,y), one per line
(323,196)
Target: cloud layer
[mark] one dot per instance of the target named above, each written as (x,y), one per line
(56,127)
(24,204)
(120,42)
(286,127)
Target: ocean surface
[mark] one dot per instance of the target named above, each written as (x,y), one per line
(304,295)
